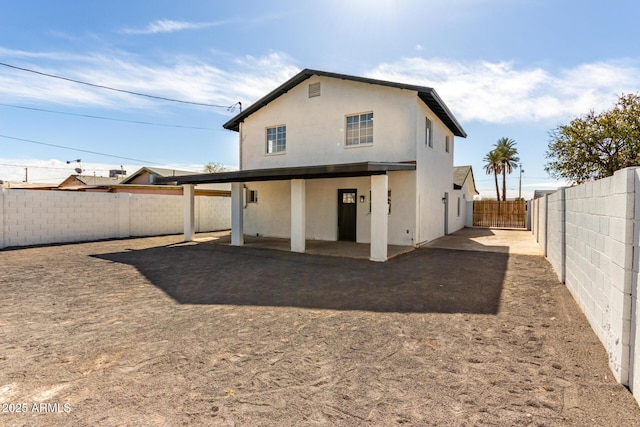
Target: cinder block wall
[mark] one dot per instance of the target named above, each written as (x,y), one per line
(599,260)
(591,240)
(156,214)
(542,224)
(213,213)
(555,239)
(32,217)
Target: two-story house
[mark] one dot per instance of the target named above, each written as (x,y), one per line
(335,157)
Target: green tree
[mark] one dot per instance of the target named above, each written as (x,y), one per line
(214,167)
(594,146)
(493,166)
(508,154)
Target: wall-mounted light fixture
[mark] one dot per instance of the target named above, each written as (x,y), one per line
(362,198)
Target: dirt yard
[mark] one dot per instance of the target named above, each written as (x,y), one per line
(154,332)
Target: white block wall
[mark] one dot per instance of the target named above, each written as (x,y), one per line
(213,213)
(634,369)
(555,239)
(599,261)
(156,214)
(32,217)
(596,250)
(541,235)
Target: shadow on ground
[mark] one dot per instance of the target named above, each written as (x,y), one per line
(423,281)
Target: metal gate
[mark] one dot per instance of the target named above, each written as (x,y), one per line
(500,214)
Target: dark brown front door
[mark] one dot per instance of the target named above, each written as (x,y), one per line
(347,214)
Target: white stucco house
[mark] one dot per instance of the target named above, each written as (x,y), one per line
(335,157)
(461,203)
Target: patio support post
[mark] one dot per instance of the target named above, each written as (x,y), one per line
(188,195)
(379,217)
(298,224)
(237,207)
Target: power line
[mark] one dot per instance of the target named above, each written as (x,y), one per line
(46,167)
(104,118)
(228,107)
(78,149)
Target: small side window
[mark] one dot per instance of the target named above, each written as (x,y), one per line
(428,134)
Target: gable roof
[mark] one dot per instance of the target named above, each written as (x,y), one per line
(460,174)
(160,172)
(426,94)
(88,180)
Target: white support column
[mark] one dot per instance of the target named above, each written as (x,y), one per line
(298,224)
(188,195)
(379,217)
(237,212)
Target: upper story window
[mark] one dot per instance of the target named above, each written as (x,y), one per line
(359,129)
(446,143)
(428,135)
(276,139)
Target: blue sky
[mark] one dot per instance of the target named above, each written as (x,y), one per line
(515,68)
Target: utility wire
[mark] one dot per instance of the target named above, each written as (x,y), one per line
(105,118)
(46,167)
(78,149)
(228,107)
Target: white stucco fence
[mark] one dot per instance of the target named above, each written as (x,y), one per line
(590,236)
(33,217)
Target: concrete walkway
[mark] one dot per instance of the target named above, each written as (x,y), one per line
(519,242)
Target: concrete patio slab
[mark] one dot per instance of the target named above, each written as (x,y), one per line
(519,242)
(324,247)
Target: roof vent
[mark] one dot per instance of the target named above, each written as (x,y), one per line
(314,90)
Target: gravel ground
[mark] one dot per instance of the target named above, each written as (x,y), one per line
(154,332)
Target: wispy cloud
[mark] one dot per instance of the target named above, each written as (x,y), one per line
(170,26)
(501,92)
(484,91)
(243,79)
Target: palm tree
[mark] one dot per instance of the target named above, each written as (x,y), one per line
(493,166)
(508,153)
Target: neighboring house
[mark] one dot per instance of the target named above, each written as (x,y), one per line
(26,185)
(149,176)
(461,203)
(335,157)
(74,181)
(142,181)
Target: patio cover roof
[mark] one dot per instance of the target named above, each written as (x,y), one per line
(299,172)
